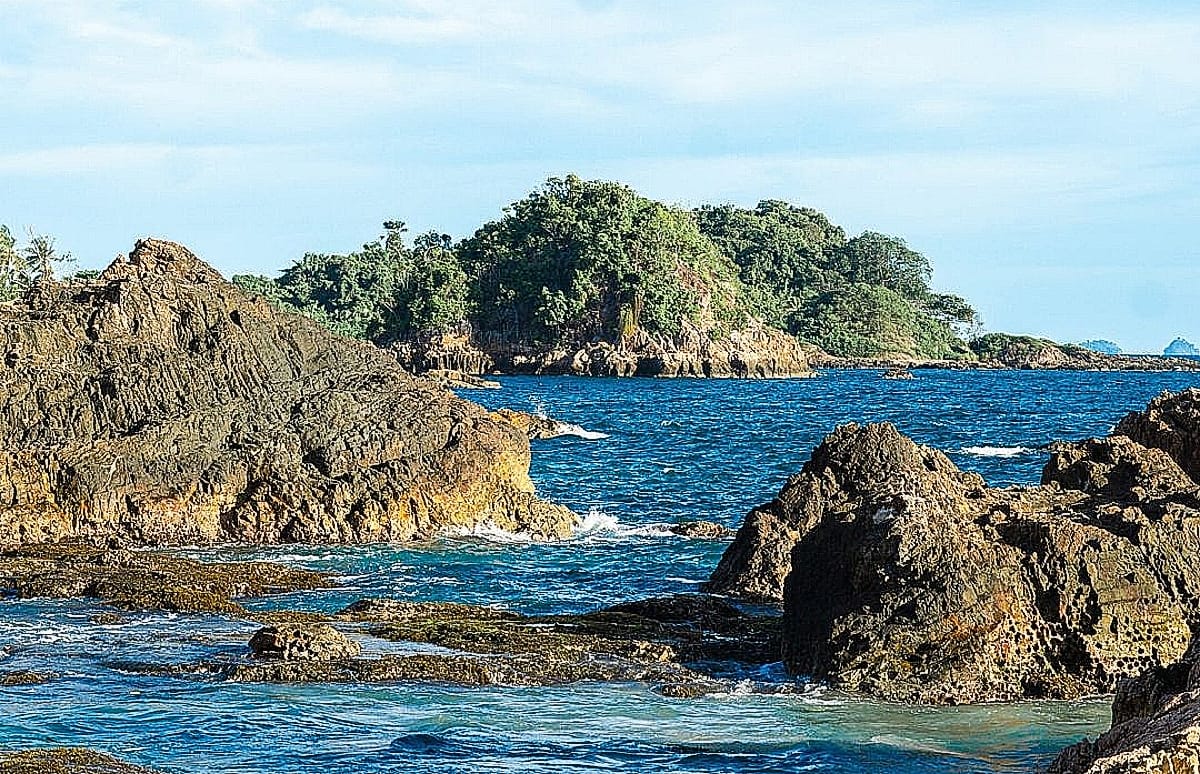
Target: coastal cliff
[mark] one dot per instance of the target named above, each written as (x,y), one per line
(159,405)
(905,578)
(754,351)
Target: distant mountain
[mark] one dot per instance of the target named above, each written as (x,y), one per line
(1181,347)
(1103,346)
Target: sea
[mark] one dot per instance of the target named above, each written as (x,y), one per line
(643,454)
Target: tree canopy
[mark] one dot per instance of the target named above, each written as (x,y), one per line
(584,260)
(577,261)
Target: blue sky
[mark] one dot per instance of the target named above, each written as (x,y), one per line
(1046,157)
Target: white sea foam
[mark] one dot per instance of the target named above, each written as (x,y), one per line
(566,428)
(995,451)
(599,523)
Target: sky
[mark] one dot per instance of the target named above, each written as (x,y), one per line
(1044,156)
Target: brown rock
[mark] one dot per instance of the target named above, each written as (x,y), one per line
(702,530)
(138,580)
(69,760)
(911,580)
(158,405)
(1172,423)
(298,642)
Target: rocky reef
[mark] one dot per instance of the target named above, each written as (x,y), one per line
(905,578)
(680,645)
(755,351)
(159,405)
(65,760)
(141,580)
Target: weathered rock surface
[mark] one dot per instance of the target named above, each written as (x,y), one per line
(1155,726)
(298,642)
(1172,423)
(755,351)
(702,530)
(159,405)
(140,580)
(671,642)
(65,760)
(911,580)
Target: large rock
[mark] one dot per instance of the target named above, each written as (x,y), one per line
(908,579)
(159,405)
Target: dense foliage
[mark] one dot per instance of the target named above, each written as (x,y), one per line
(577,261)
(385,290)
(580,260)
(862,297)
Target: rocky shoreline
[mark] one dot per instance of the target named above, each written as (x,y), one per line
(215,419)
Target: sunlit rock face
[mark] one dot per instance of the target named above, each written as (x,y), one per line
(159,405)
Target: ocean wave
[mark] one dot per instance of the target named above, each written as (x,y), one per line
(995,451)
(566,428)
(599,523)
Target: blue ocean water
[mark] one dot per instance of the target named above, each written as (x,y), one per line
(672,450)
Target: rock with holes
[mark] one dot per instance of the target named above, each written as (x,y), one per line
(1155,726)
(159,405)
(905,578)
(303,642)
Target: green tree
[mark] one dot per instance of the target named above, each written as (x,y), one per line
(782,251)
(879,259)
(431,294)
(865,320)
(14,268)
(584,260)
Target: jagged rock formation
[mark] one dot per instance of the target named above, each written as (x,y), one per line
(1155,726)
(158,405)
(1172,423)
(755,351)
(911,580)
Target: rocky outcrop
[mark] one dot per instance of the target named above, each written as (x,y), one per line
(702,530)
(672,643)
(158,405)
(298,642)
(138,580)
(755,351)
(65,760)
(1155,726)
(1172,423)
(905,578)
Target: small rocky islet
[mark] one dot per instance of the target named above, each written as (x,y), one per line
(214,418)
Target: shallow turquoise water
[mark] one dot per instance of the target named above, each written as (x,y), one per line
(675,450)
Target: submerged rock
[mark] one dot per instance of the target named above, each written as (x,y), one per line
(65,760)
(159,405)
(670,642)
(536,426)
(908,579)
(24,677)
(140,580)
(702,530)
